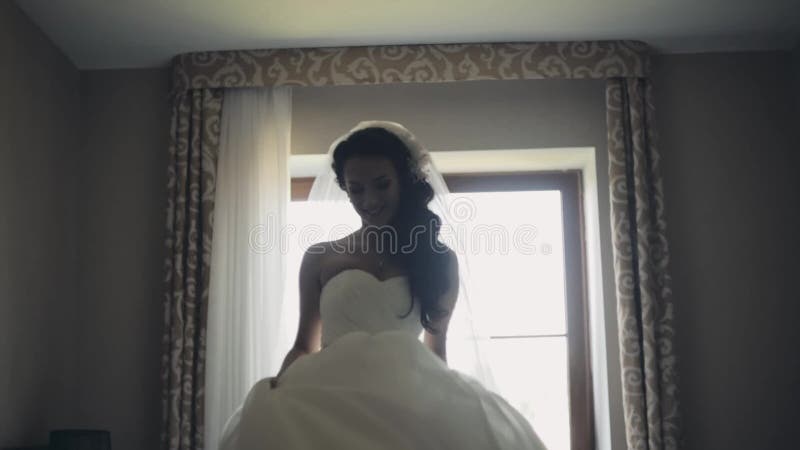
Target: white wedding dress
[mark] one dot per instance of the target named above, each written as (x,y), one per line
(374,385)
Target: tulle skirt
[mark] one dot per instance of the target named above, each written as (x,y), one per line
(376,391)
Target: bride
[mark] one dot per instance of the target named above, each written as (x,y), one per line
(358,375)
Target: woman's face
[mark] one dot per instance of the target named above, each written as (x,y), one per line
(373,186)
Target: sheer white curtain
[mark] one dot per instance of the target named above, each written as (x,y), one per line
(246,337)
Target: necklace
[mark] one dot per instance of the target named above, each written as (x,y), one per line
(380,258)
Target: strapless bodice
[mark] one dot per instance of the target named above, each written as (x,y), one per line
(355,300)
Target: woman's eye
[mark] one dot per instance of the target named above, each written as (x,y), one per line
(356,191)
(383,186)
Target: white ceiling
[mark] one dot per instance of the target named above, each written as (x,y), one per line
(102,34)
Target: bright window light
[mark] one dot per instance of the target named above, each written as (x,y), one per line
(520,297)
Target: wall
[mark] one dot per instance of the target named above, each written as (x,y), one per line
(796,67)
(40,131)
(458,116)
(83,178)
(121,228)
(730,155)
(481,115)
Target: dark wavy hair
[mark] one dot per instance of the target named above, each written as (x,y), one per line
(425,258)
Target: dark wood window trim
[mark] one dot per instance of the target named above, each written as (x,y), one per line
(569,184)
(300,188)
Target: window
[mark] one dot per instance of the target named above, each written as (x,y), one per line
(532,293)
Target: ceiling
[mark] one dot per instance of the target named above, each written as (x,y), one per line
(104,34)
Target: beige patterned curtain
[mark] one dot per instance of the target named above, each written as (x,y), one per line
(193,150)
(429,63)
(644,298)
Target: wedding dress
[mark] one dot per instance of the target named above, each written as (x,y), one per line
(374,385)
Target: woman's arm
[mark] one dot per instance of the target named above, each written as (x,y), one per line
(309,328)
(438,342)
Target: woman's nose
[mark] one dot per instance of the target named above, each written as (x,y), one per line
(371,200)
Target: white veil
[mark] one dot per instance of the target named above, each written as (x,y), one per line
(466,350)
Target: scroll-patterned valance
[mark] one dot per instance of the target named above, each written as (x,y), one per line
(409,64)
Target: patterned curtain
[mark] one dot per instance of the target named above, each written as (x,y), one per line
(193,150)
(644,298)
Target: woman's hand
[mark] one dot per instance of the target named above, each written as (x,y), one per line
(310,327)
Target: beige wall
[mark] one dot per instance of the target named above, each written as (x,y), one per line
(83,173)
(730,160)
(121,227)
(40,136)
(796,67)
(458,116)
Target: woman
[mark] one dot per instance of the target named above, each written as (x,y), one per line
(364,300)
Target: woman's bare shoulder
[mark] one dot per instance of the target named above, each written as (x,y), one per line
(452,275)
(327,251)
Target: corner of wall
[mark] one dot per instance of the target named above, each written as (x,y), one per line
(796,75)
(42,134)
